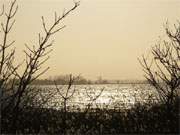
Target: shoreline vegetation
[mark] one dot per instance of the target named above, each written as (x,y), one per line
(141,119)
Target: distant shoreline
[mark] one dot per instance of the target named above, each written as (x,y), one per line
(98,84)
(80,80)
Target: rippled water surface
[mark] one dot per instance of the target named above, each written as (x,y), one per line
(112,96)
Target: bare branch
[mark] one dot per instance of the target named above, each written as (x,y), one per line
(165,76)
(2,12)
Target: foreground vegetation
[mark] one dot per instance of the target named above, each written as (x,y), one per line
(140,119)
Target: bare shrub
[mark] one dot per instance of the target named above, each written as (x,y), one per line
(163,70)
(13,84)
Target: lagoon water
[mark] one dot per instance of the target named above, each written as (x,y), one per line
(112,96)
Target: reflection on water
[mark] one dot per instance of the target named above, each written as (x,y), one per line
(113,95)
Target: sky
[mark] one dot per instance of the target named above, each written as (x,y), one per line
(102,38)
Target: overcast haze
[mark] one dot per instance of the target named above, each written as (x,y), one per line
(102,37)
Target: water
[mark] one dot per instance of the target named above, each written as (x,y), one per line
(109,96)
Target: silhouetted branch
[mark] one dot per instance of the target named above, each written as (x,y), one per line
(13,82)
(6,29)
(67,96)
(165,75)
(2,12)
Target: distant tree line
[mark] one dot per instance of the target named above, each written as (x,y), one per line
(64,79)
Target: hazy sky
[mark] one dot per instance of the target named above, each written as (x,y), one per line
(102,37)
